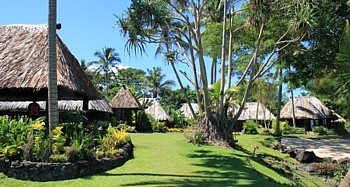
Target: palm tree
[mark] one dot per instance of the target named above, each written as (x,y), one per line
(155,79)
(52,69)
(108,59)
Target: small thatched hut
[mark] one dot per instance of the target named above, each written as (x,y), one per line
(23,67)
(309,111)
(253,111)
(97,109)
(156,110)
(185,109)
(123,103)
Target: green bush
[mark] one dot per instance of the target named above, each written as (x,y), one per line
(283,124)
(265,132)
(196,134)
(159,127)
(250,127)
(127,128)
(293,130)
(61,158)
(320,130)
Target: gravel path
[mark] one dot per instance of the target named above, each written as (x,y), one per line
(334,148)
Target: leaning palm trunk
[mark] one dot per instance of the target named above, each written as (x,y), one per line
(52,68)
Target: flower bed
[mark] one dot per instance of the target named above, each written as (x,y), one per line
(41,171)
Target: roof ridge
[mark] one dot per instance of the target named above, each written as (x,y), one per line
(28,27)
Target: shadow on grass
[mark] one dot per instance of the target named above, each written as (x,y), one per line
(213,170)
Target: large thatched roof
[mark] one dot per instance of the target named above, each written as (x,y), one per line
(254,110)
(124,99)
(155,109)
(185,109)
(306,107)
(22,106)
(23,66)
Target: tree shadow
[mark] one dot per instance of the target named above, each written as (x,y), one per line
(214,169)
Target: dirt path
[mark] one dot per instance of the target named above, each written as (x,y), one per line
(334,148)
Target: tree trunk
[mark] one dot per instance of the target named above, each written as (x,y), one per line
(257,112)
(194,68)
(277,128)
(183,90)
(52,67)
(223,59)
(293,109)
(52,72)
(230,51)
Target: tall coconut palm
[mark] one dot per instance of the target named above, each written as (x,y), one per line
(52,71)
(108,59)
(52,68)
(155,79)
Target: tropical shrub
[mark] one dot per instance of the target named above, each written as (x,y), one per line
(196,134)
(320,130)
(113,140)
(250,127)
(283,124)
(143,120)
(127,128)
(293,130)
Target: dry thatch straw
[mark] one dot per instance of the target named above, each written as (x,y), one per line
(23,66)
(64,105)
(155,109)
(124,99)
(306,107)
(250,112)
(185,109)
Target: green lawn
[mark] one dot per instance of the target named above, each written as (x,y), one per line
(166,160)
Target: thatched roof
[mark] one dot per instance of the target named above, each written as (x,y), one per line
(250,112)
(185,109)
(124,99)
(23,66)
(22,106)
(155,109)
(306,107)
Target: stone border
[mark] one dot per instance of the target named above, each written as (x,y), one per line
(39,171)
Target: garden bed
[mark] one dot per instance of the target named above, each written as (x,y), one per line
(39,171)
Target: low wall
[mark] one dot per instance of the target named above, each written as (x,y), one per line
(39,171)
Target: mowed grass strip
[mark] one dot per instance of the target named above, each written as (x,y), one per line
(167,160)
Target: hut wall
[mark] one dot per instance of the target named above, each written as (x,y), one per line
(124,115)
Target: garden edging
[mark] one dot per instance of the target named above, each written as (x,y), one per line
(40,171)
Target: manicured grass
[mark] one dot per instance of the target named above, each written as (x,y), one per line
(166,160)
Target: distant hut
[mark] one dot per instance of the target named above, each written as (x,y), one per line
(97,109)
(253,111)
(156,110)
(23,67)
(123,103)
(309,111)
(185,109)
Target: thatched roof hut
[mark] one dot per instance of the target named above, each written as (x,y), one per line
(23,66)
(124,99)
(155,109)
(185,109)
(253,111)
(306,107)
(63,105)
(123,103)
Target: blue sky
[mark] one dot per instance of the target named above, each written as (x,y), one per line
(87,26)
